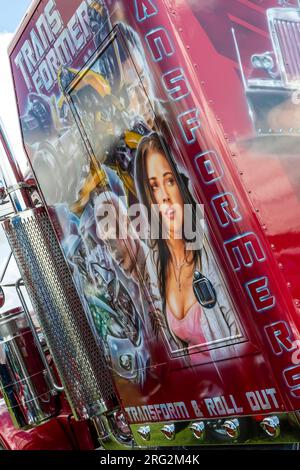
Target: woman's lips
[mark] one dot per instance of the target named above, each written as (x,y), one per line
(170,213)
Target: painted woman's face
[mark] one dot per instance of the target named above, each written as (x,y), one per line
(165,192)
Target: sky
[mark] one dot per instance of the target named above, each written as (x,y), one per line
(12,12)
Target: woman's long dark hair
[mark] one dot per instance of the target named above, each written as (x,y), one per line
(156,142)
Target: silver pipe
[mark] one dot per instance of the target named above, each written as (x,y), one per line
(18,284)
(23,200)
(26,379)
(237,49)
(5,267)
(108,436)
(23,384)
(9,195)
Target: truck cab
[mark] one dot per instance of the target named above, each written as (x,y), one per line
(160,251)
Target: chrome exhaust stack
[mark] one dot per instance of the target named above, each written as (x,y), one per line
(77,353)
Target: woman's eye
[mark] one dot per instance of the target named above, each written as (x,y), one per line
(170,182)
(154,187)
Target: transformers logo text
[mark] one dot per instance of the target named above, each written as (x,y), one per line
(52,45)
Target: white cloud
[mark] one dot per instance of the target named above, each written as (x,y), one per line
(8,108)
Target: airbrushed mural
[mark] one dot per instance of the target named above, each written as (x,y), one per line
(165,150)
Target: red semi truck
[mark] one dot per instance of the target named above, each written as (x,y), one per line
(157,229)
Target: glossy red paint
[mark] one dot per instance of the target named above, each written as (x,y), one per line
(60,433)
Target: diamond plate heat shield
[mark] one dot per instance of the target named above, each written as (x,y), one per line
(77,355)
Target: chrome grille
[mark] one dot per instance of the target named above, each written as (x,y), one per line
(285,32)
(77,355)
(288,34)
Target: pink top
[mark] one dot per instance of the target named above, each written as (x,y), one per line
(188,329)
